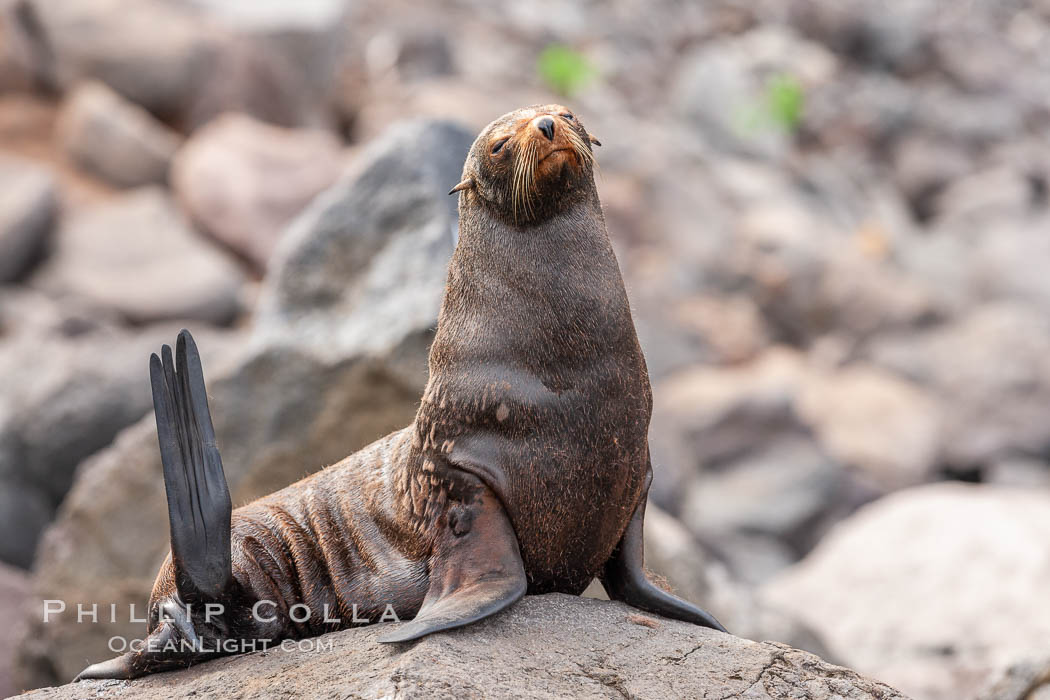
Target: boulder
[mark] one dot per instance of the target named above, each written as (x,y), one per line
(151,52)
(242,180)
(932,588)
(990,371)
(137,256)
(14,594)
(367,259)
(694,573)
(28,208)
(707,416)
(768,502)
(871,420)
(186,64)
(544,646)
(114,139)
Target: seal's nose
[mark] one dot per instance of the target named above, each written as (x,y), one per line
(546,125)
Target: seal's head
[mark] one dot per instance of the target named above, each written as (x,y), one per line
(530,163)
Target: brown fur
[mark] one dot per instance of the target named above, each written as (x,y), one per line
(538,391)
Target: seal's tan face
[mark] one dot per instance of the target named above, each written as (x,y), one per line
(527,160)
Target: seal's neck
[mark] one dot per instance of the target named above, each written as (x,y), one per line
(543,293)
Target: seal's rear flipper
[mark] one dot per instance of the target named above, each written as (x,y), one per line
(624,577)
(476,570)
(198,498)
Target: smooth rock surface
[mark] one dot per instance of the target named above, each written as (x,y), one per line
(242,180)
(955,572)
(28,209)
(114,139)
(136,255)
(367,259)
(544,646)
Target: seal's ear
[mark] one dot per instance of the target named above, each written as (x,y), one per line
(465,184)
(594,140)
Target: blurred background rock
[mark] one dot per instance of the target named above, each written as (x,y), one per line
(832,218)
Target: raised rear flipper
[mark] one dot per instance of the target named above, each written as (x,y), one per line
(624,576)
(199,512)
(476,570)
(198,498)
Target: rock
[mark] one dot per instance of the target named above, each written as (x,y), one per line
(25,510)
(779,493)
(309,38)
(114,139)
(871,420)
(923,167)
(185,65)
(28,207)
(367,259)
(858,30)
(693,573)
(137,256)
(251,78)
(14,596)
(952,572)
(544,646)
(278,415)
(974,199)
(70,386)
(151,52)
(707,416)
(1028,679)
(243,181)
(990,371)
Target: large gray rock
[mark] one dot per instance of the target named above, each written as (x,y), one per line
(242,180)
(931,588)
(28,207)
(366,260)
(544,646)
(136,255)
(112,138)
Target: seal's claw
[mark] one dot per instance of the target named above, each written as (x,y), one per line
(119,668)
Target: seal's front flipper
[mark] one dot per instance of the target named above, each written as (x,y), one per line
(476,570)
(624,577)
(198,499)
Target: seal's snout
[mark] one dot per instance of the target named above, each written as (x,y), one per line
(546,126)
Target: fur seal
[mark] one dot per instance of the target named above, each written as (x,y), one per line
(525,471)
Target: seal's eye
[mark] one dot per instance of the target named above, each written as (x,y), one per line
(498,146)
(568,116)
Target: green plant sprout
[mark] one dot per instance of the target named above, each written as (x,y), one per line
(780,106)
(564,70)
